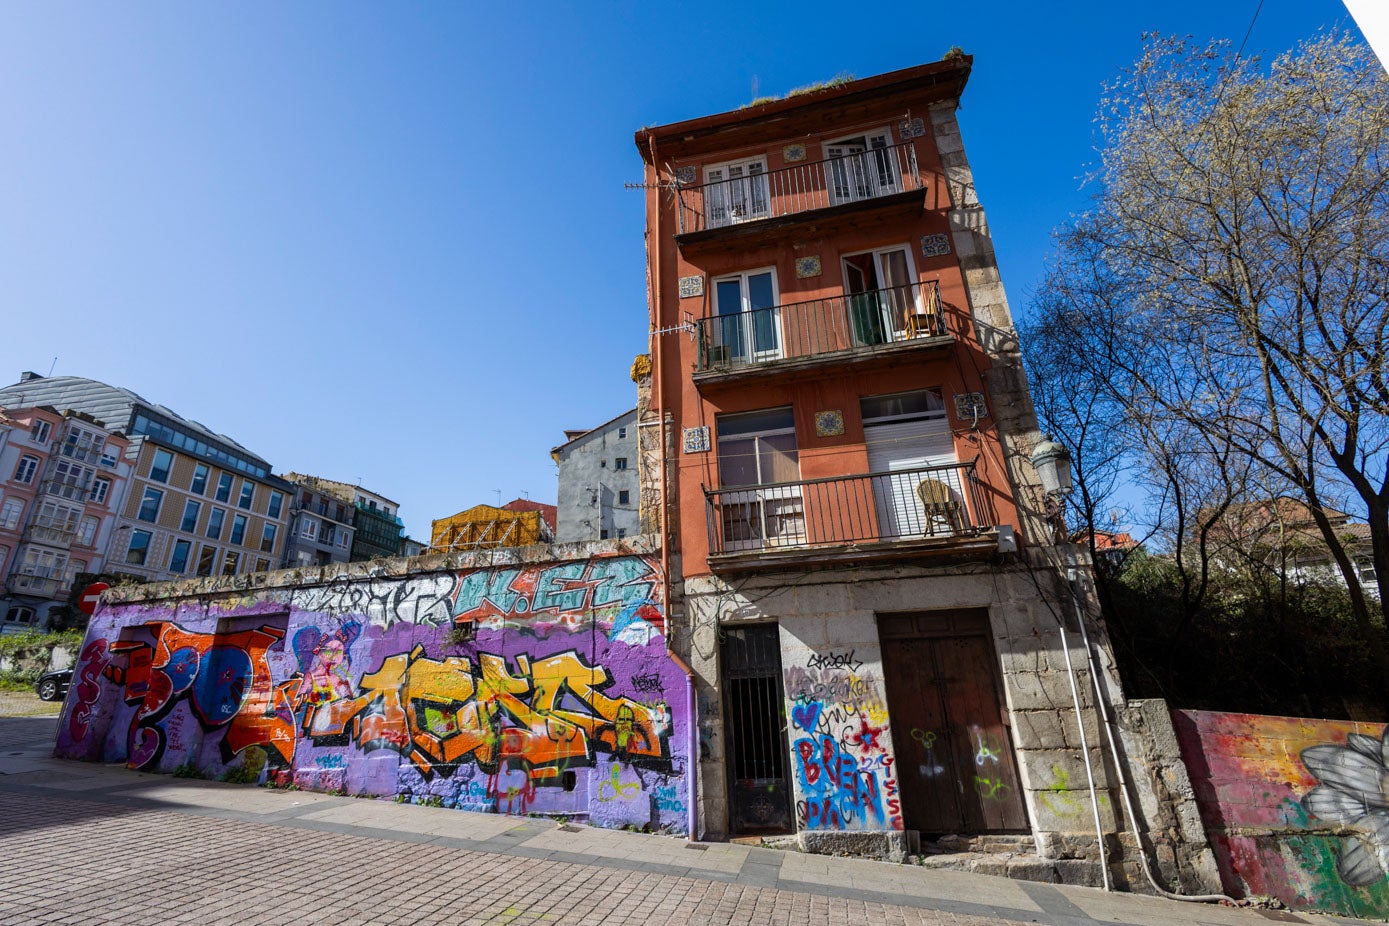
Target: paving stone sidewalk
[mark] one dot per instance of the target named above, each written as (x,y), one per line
(92,844)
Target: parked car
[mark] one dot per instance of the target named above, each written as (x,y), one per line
(53,686)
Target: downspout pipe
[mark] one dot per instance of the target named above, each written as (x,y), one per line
(1102,705)
(1085,751)
(659,406)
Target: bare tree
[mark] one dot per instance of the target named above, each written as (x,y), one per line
(1230,286)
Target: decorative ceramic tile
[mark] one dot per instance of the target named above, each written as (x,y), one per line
(691,286)
(793,153)
(970,406)
(697,439)
(807,267)
(829,424)
(685,174)
(935,245)
(911,128)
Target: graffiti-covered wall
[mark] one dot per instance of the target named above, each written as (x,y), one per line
(525,687)
(1297,809)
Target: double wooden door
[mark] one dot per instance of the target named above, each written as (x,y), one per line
(955,766)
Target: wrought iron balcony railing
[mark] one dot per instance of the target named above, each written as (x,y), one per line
(945,501)
(852,178)
(858,322)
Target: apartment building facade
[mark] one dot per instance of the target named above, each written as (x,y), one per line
(377,528)
(199,504)
(320,525)
(65,478)
(598,487)
(864,579)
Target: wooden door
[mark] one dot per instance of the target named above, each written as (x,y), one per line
(955,764)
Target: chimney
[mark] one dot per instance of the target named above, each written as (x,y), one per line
(28,375)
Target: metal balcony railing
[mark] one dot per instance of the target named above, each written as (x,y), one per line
(47,533)
(856,177)
(850,323)
(910,504)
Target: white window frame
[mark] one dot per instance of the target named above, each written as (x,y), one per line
(745,328)
(101,487)
(887,307)
(20,475)
(11,513)
(40,432)
(729,200)
(197,515)
(19,614)
(855,176)
(310,529)
(86,531)
(772,516)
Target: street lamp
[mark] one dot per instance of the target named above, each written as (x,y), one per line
(1053,464)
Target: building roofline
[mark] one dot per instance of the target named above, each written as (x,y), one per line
(951,74)
(599,427)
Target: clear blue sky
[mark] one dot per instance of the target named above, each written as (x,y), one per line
(390,242)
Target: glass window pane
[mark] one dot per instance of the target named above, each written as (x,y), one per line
(760,291)
(738,462)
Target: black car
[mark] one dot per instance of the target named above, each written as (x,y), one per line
(53,686)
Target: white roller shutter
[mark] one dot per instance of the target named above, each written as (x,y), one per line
(906,445)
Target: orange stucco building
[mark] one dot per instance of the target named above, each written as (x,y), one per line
(857,541)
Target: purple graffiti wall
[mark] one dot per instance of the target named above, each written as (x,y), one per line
(539,688)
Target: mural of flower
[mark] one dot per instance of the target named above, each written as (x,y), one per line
(1353,790)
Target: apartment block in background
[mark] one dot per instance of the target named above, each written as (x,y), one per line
(320,525)
(377,528)
(598,486)
(199,503)
(63,479)
(868,585)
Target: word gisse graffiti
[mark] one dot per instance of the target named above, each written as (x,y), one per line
(550,714)
(85,692)
(833,660)
(213,673)
(836,793)
(567,588)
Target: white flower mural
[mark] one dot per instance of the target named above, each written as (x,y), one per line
(1353,790)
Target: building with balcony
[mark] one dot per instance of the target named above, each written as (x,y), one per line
(198,504)
(63,478)
(598,490)
(864,580)
(376,527)
(320,525)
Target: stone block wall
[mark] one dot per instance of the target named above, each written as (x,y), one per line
(1296,809)
(533,680)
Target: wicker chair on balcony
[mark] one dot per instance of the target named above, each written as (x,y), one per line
(940,503)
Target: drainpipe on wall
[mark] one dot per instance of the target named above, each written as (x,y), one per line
(658,402)
(1102,705)
(1085,752)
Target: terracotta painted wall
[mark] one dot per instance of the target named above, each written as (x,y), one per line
(1297,809)
(563,701)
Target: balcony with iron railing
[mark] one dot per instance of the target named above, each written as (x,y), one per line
(740,205)
(941,511)
(848,328)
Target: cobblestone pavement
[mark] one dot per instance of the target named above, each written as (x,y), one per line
(91,844)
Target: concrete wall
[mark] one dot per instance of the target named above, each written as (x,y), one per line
(590,485)
(528,681)
(1296,809)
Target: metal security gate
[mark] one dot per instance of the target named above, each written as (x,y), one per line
(955,763)
(755,731)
